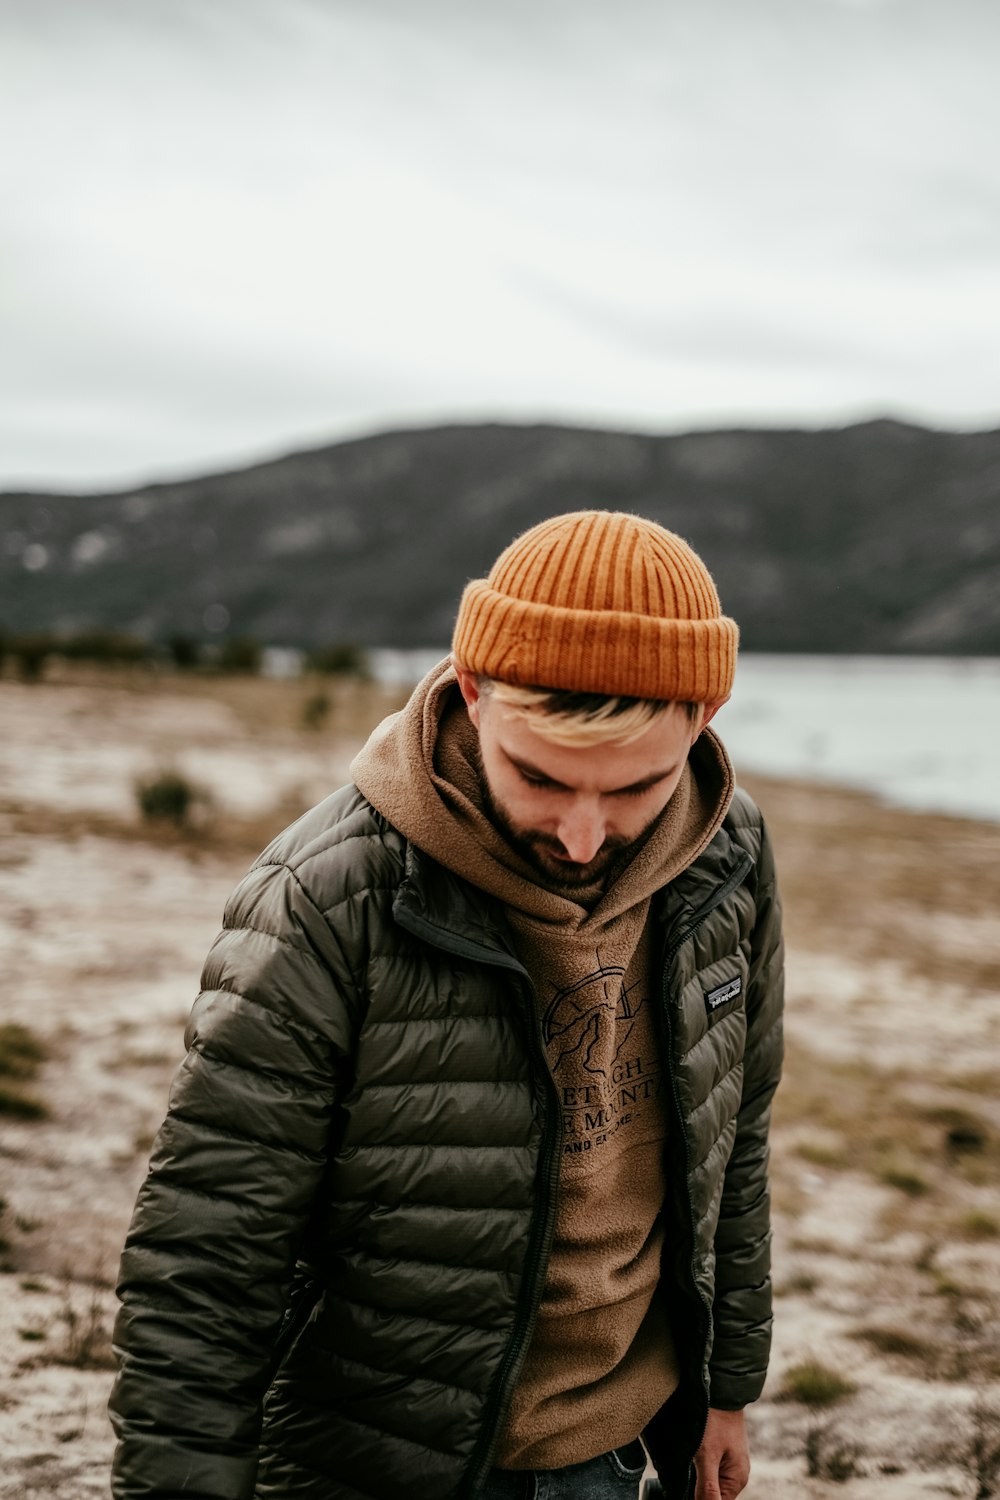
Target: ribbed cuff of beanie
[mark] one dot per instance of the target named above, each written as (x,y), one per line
(595,651)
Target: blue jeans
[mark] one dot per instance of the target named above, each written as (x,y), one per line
(611,1476)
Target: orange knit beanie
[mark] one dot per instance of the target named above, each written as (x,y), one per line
(600,602)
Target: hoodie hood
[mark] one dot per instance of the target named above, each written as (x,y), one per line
(420,769)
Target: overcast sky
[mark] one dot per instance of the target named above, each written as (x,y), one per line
(230,228)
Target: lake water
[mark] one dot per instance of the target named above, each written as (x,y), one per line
(921,732)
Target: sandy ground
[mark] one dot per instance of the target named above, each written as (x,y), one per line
(886,1141)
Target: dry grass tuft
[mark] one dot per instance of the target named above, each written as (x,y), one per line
(900,1343)
(800,1284)
(822,1154)
(86,1343)
(168,796)
(904,1178)
(21,1055)
(815,1385)
(976,1451)
(978,1225)
(828,1456)
(984,1450)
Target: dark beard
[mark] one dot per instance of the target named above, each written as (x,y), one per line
(541,852)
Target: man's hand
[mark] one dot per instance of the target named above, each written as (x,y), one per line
(722,1463)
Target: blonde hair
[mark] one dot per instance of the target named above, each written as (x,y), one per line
(580,719)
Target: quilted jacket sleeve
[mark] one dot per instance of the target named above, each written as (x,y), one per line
(234,1173)
(742,1308)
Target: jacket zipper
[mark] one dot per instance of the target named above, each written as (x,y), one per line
(532,1284)
(735,878)
(543,1224)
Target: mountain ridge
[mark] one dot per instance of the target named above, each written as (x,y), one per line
(881,536)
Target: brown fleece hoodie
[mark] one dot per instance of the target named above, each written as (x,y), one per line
(601,1360)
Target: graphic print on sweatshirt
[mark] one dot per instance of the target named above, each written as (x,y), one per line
(602,1050)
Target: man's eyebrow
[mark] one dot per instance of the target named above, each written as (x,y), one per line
(527,769)
(645,783)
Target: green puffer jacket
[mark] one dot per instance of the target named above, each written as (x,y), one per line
(335,1262)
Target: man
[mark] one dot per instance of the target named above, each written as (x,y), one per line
(462,1191)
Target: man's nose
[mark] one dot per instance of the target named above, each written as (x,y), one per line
(582,831)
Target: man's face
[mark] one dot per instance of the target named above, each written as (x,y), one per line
(574,811)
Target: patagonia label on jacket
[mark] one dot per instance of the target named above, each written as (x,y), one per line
(725,993)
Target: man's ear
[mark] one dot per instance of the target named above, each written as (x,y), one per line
(709,712)
(468,684)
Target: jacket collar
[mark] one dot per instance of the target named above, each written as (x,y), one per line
(440,907)
(723,866)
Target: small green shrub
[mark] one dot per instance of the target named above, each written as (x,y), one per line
(21,1055)
(315,711)
(21,1052)
(19,1105)
(184,652)
(963,1130)
(977,1225)
(167,797)
(109,647)
(898,1341)
(815,1384)
(31,652)
(800,1284)
(339,659)
(240,654)
(905,1179)
(821,1154)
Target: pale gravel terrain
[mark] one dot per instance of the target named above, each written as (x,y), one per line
(102,933)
